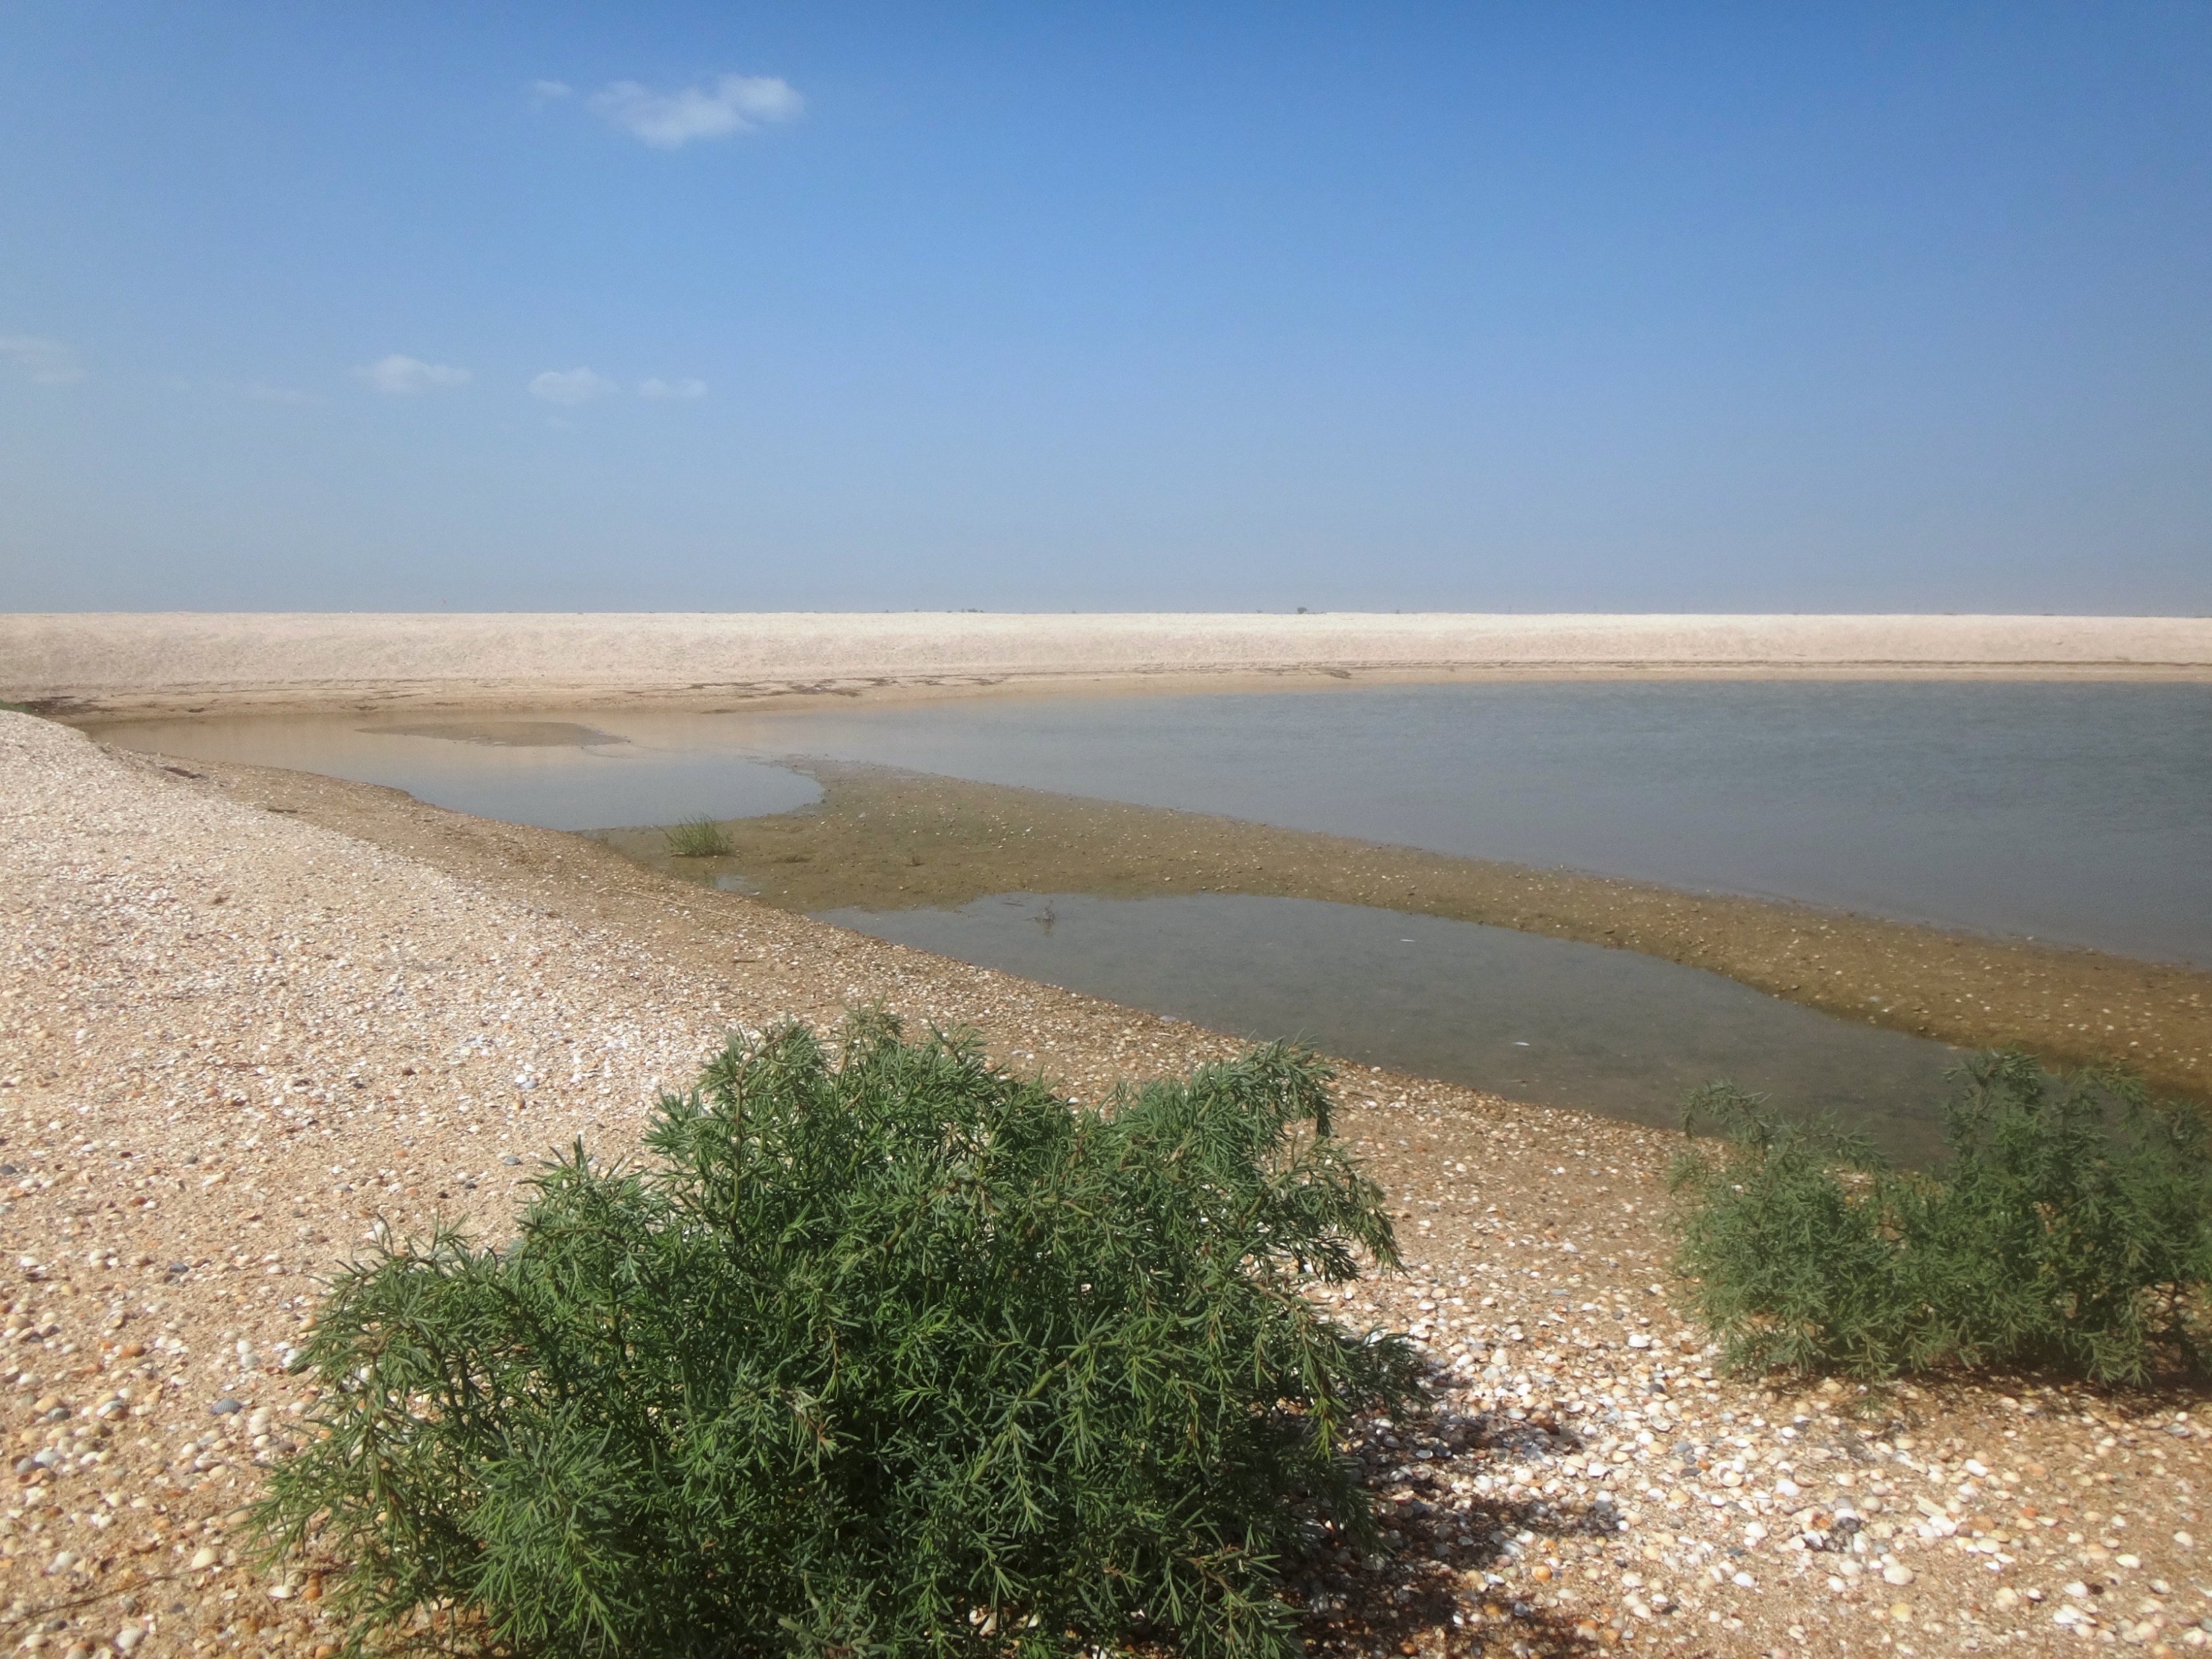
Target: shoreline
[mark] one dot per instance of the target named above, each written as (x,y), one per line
(118,664)
(257,1018)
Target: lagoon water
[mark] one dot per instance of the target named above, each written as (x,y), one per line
(2080,814)
(558,771)
(2076,813)
(1532,1019)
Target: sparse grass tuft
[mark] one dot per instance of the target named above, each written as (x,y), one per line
(2069,1229)
(698,838)
(885,1353)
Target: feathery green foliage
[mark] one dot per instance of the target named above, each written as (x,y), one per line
(697,838)
(2070,1228)
(883,1354)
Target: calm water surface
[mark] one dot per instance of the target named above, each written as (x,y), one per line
(1533,1018)
(2080,814)
(561,771)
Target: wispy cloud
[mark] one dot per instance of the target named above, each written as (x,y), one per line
(544,91)
(657,388)
(670,120)
(571,386)
(42,361)
(410,377)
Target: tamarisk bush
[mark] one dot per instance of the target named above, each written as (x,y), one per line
(2070,1229)
(880,1352)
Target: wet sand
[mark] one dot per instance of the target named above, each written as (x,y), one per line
(120,664)
(887,839)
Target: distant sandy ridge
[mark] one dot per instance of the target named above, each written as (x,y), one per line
(125,663)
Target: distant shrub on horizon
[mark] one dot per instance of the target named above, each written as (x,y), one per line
(885,1354)
(2070,1229)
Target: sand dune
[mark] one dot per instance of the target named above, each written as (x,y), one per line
(150,663)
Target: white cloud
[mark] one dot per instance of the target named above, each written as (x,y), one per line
(669,120)
(657,388)
(43,362)
(544,91)
(410,377)
(575,385)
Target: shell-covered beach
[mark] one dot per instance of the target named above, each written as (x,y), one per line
(252,1017)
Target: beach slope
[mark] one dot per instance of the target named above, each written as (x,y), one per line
(250,1021)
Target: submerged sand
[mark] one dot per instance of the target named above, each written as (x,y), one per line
(116,663)
(250,1017)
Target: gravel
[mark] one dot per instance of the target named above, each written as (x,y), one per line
(248,1017)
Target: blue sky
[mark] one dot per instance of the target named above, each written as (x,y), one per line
(1057,306)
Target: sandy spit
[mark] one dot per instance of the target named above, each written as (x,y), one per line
(122,663)
(246,1017)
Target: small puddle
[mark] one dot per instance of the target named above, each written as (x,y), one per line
(1532,1019)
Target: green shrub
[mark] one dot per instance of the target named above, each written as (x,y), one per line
(2070,1228)
(697,838)
(887,1353)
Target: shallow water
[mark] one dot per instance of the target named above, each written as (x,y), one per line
(2075,813)
(558,771)
(2080,814)
(1533,1018)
